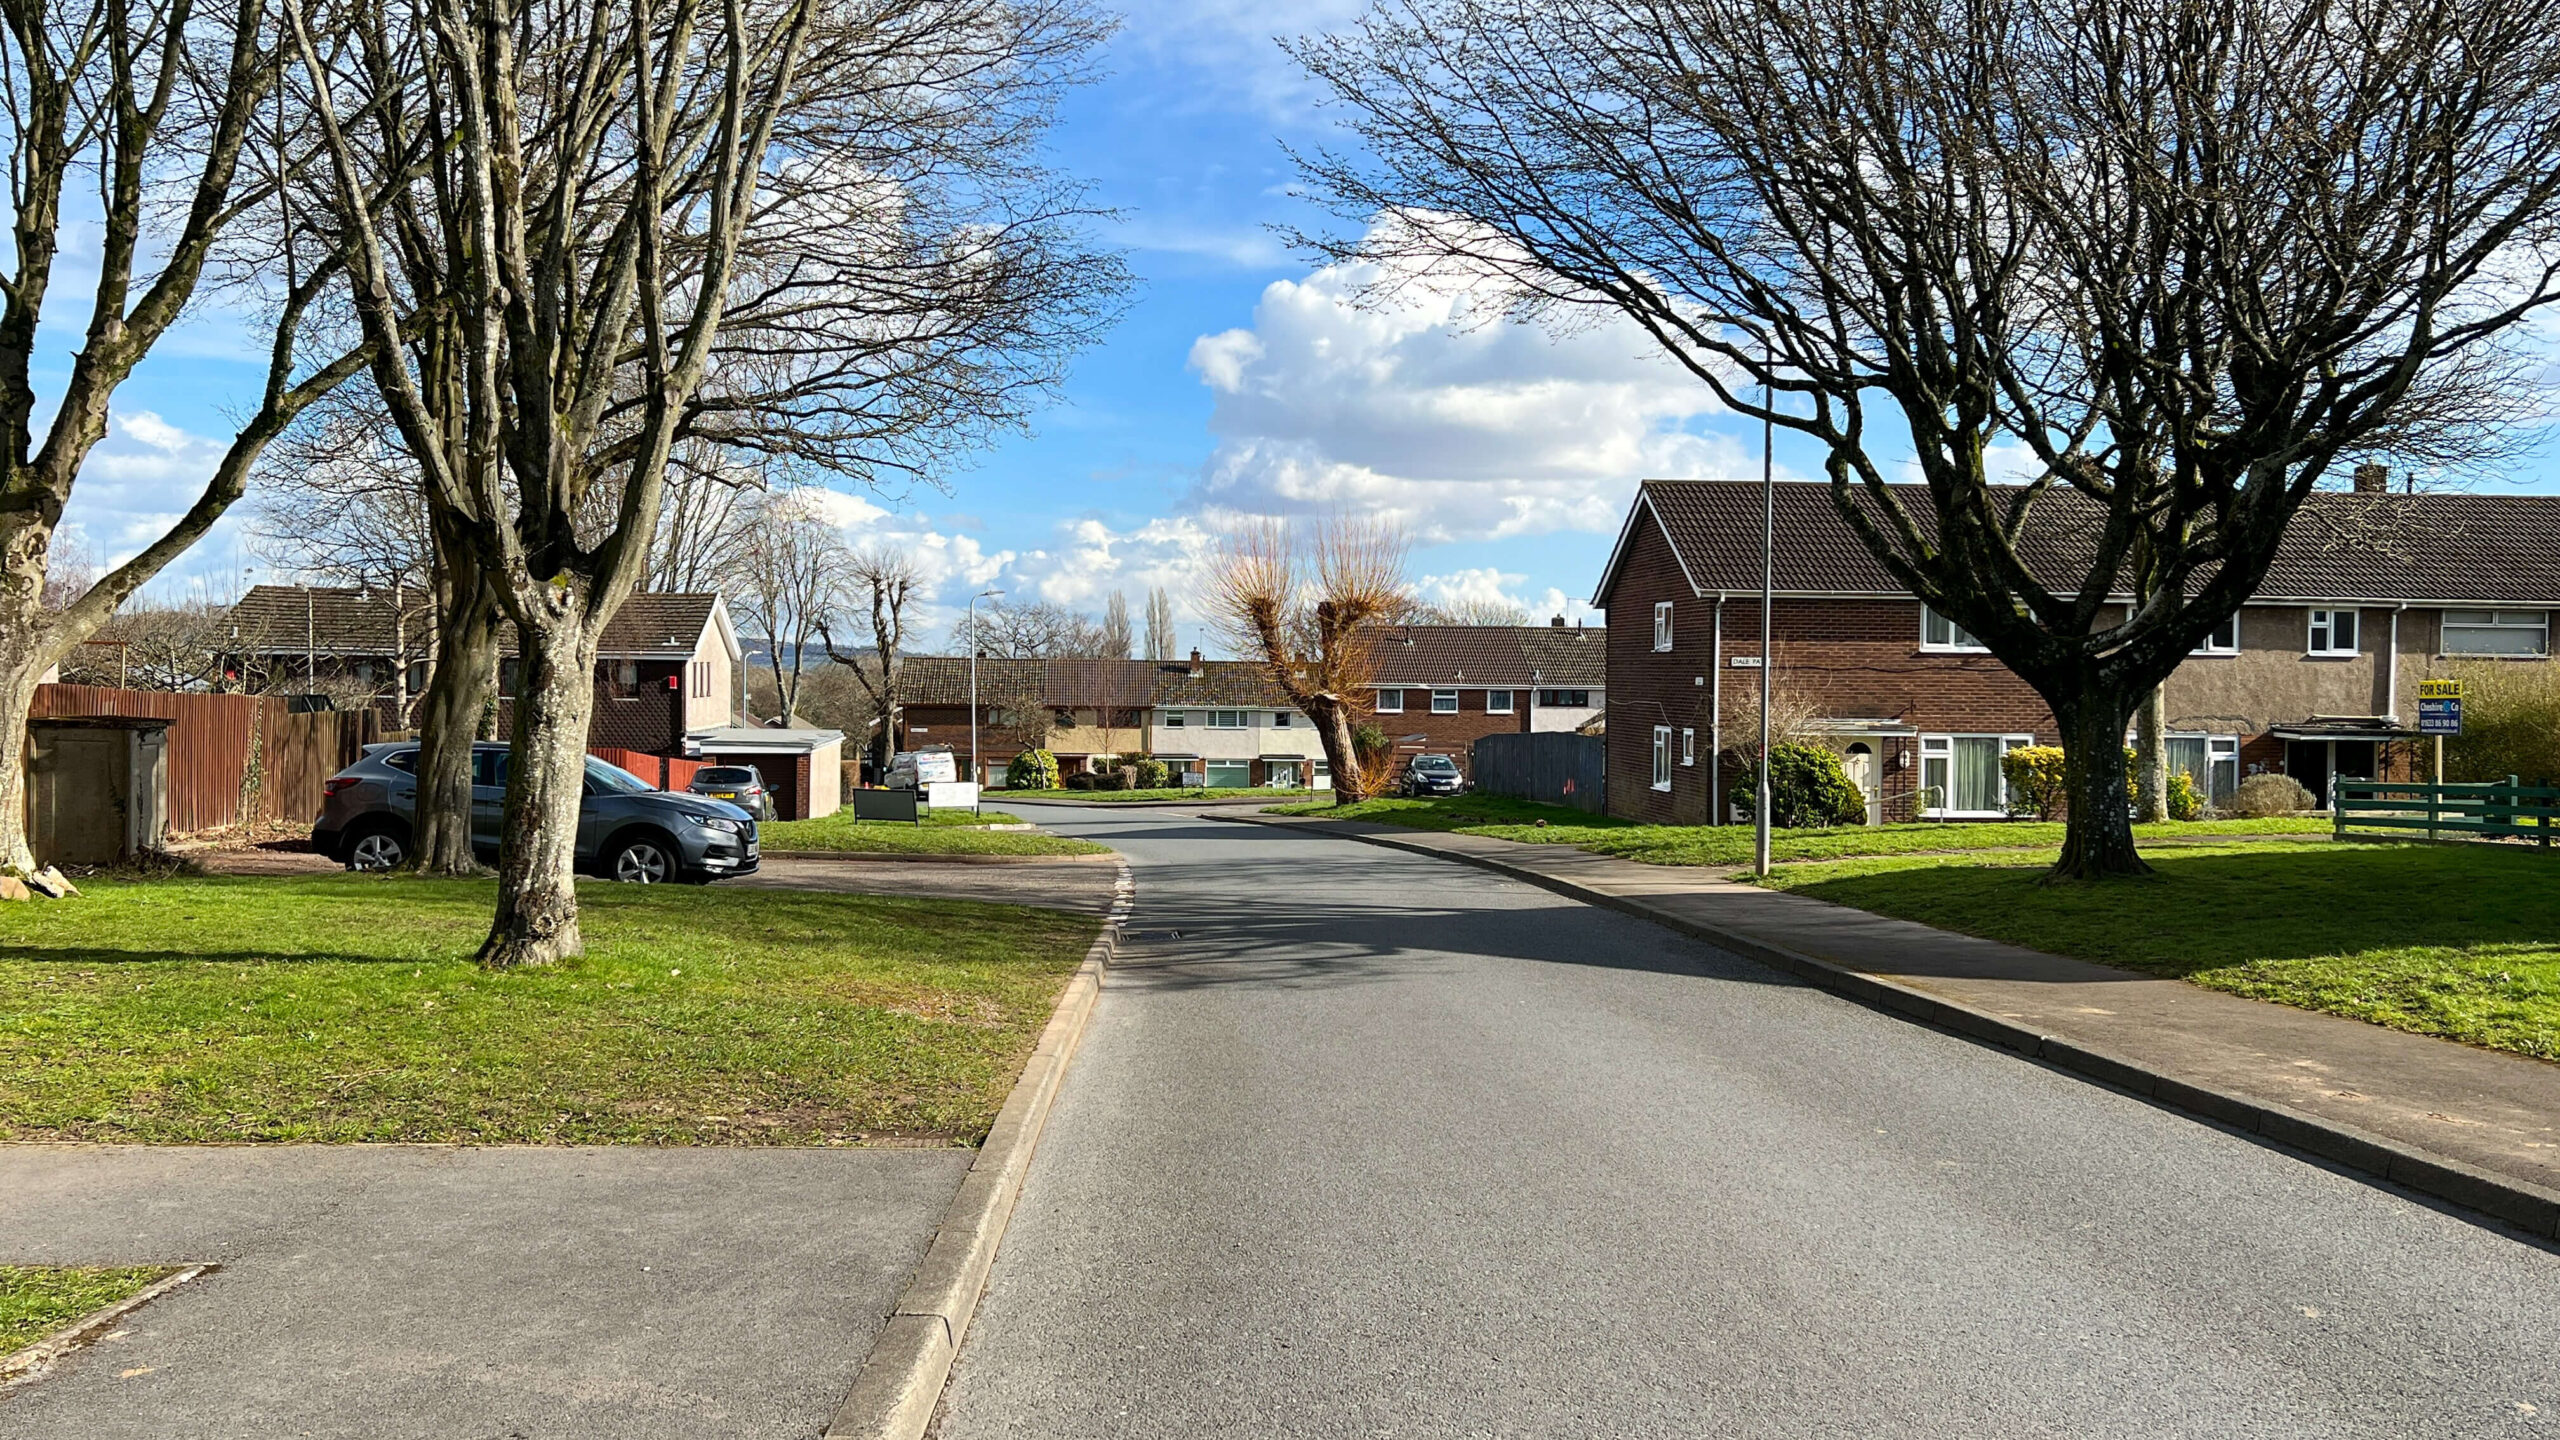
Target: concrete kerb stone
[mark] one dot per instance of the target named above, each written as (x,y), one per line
(30,1362)
(2526,1206)
(902,857)
(894,1395)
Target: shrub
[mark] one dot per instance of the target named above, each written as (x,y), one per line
(1807,790)
(1032,770)
(1081,781)
(2184,802)
(2261,796)
(2039,785)
(2510,724)
(1154,775)
(1124,777)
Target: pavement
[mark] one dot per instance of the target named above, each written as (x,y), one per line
(455,1294)
(1362,1142)
(2492,1112)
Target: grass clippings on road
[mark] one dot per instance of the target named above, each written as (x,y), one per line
(348,1008)
(2451,940)
(36,1300)
(942,832)
(1729,845)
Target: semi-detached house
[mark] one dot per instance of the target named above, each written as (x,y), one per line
(2316,676)
(1440,688)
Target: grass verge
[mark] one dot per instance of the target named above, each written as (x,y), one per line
(1726,845)
(1123,797)
(945,832)
(347,1008)
(2457,941)
(36,1300)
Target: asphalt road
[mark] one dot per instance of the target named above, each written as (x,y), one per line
(1368,1144)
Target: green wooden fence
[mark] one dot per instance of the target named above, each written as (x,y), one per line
(2490,810)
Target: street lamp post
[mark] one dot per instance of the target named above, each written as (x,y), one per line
(974,648)
(1768,579)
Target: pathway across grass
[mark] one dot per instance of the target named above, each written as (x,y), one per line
(1731,845)
(942,832)
(36,1300)
(347,1008)
(2461,941)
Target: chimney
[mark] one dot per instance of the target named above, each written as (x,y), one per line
(1195,662)
(2373,479)
(1557,622)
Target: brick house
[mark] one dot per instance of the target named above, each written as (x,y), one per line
(1440,688)
(1082,711)
(2316,677)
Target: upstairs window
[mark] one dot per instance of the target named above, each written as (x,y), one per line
(2225,639)
(1228,720)
(1937,632)
(1390,702)
(1564,699)
(1444,702)
(1662,625)
(2333,632)
(1279,719)
(1175,719)
(1497,702)
(2497,632)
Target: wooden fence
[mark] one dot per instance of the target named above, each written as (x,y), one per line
(667,772)
(231,757)
(1554,767)
(2481,811)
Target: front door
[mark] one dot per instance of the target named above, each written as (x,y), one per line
(1860,762)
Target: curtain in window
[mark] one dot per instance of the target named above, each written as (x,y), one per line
(2187,754)
(1978,774)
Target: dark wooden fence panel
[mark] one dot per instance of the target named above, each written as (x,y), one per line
(1552,767)
(213,741)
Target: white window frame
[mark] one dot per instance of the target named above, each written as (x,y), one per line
(1208,782)
(1661,625)
(2215,644)
(1174,720)
(1439,709)
(1662,757)
(1943,748)
(2534,622)
(1688,746)
(1385,706)
(1230,720)
(1958,642)
(1507,696)
(1280,719)
(2323,637)
(2218,751)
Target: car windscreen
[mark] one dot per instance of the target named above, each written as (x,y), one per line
(727,775)
(1436,765)
(614,780)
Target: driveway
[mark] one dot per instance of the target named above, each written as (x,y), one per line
(1366,1143)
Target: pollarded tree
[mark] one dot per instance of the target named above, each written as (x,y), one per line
(2180,261)
(1303,601)
(171,114)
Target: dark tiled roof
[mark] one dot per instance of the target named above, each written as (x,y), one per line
(1513,655)
(341,620)
(2341,546)
(1220,682)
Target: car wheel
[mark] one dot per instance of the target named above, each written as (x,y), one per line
(376,850)
(644,862)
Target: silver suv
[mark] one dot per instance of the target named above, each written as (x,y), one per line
(627,828)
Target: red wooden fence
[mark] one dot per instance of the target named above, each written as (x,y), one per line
(665,772)
(231,756)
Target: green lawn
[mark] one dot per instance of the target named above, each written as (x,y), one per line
(1728,845)
(1123,797)
(2461,941)
(347,1008)
(36,1300)
(942,832)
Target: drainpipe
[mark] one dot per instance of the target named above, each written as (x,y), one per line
(1715,720)
(2391,679)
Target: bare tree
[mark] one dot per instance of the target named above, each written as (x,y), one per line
(1301,601)
(1117,638)
(162,108)
(702,522)
(882,580)
(789,575)
(1477,611)
(1162,638)
(1039,630)
(2180,261)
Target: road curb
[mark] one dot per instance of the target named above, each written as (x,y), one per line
(894,1394)
(30,1362)
(902,857)
(2526,1206)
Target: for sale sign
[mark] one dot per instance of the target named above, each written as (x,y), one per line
(2439,707)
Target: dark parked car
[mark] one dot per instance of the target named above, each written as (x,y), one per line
(740,785)
(627,828)
(1434,775)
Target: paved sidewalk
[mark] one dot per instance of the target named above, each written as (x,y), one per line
(381,1292)
(2483,1114)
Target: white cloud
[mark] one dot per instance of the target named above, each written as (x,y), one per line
(1228,51)
(1487,585)
(1431,410)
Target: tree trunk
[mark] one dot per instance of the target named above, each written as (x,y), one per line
(449,721)
(2151,759)
(22,659)
(2097,839)
(1333,729)
(537,919)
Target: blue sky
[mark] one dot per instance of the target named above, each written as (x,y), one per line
(1242,381)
